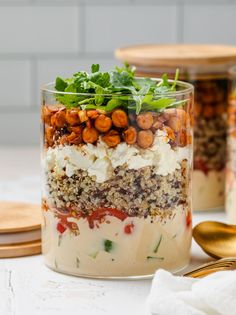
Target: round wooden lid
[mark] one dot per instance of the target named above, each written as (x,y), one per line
(19,217)
(177,55)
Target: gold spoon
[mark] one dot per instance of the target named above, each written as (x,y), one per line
(214,266)
(217,239)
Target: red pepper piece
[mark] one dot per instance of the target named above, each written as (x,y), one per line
(188,219)
(100,213)
(128,229)
(60,228)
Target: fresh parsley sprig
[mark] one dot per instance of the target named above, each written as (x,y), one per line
(116,88)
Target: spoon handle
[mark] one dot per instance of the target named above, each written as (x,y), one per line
(214,266)
(202,273)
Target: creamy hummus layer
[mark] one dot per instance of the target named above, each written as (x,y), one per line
(151,244)
(100,161)
(208,190)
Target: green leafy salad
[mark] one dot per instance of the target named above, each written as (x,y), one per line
(116,88)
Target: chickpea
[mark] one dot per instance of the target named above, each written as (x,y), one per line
(119,118)
(90,135)
(182,138)
(76,129)
(158,123)
(174,123)
(72,117)
(103,123)
(46,115)
(162,118)
(111,138)
(59,119)
(145,138)
(88,123)
(49,134)
(170,133)
(74,138)
(177,112)
(145,120)
(83,116)
(93,114)
(130,135)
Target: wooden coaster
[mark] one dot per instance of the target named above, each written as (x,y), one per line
(20,250)
(20,229)
(19,217)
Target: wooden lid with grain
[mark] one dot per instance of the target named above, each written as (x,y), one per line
(20,250)
(177,55)
(19,217)
(20,225)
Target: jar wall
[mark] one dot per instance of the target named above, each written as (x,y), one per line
(231,151)
(210,129)
(115,203)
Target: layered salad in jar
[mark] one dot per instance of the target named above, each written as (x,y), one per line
(117,160)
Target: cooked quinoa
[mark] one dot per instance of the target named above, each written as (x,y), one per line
(137,192)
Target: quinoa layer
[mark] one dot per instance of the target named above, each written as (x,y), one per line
(137,192)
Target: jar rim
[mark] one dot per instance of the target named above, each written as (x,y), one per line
(186,88)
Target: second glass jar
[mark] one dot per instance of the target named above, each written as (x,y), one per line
(117,186)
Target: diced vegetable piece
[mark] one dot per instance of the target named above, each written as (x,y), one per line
(108,246)
(128,229)
(60,228)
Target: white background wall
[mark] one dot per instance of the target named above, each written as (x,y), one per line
(40,39)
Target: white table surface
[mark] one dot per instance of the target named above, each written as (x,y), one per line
(27,287)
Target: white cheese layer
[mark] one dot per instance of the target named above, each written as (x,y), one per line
(100,160)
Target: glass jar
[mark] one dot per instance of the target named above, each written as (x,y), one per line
(231,146)
(116,186)
(206,67)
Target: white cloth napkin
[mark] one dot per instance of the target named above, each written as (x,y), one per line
(176,295)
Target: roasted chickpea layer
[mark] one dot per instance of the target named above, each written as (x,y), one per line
(76,126)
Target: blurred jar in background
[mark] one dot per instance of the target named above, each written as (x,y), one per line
(206,67)
(231,147)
